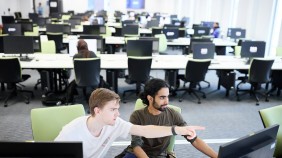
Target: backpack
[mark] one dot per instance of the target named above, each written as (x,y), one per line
(66,96)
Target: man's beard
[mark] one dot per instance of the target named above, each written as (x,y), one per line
(160,108)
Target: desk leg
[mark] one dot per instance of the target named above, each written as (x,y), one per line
(171,79)
(112,78)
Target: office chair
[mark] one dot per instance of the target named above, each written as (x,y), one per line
(139,105)
(138,73)
(46,123)
(87,74)
(271,116)
(11,73)
(162,42)
(195,72)
(18,15)
(47,47)
(58,38)
(259,73)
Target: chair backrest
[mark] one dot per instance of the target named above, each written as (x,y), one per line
(139,105)
(48,47)
(47,122)
(196,70)
(139,68)
(10,70)
(260,70)
(58,38)
(162,42)
(269,117)
(279,51)
(87,72)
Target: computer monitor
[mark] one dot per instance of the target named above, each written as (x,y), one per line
(193,40)
(41,149)
(91,43)
(94,29)
(155,47)
(260,144)
(139,48)
(201,31)
(8,20)
(18,45)
(236,33)
(152,23)
(55,28)
(207,24)
(171,33)
(130,29)
(34,17)
(170,26)
(252,49)
(43,21)
(36,44)
(74,22)
(127,22)
(26,26)
(203,50)
(12,29)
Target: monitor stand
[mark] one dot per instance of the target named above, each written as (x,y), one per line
(248,61)
(25,58)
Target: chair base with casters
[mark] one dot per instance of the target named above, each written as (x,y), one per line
(136,91)
(191,89)
(15,91)
(253,91)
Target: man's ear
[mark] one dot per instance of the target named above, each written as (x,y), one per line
(150,98)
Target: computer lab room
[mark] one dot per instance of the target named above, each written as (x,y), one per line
(219,63)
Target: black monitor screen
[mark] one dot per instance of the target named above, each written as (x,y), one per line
(74,22)
(201,31)
(155,41)
(8,20)
(18,44)
(139,48)
(192,40)
(152,23)
(207,24)
(26,26)
(94,29)
(41,149)
(171,33)
(12,29)
(55,28)
(260,144)
(34,17)
(251,49)
(236,33)
(203,50)
(36,44)
(130,29)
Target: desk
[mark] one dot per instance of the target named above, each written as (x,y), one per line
(114,62)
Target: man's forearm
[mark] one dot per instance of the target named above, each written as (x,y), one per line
(139,152)
(204,148)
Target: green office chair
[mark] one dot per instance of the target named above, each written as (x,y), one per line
(162,42)
(279,51)
(48,47)
(47,122)
(269,117)
(139,105)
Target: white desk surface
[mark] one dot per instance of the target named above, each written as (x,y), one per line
(119,61)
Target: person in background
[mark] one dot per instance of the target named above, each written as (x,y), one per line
(216,30)
(83,52)
(155,98)
(40,9)
(99,130)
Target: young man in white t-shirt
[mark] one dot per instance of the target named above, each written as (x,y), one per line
(99,130)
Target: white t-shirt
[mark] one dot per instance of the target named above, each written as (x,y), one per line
(96,147)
